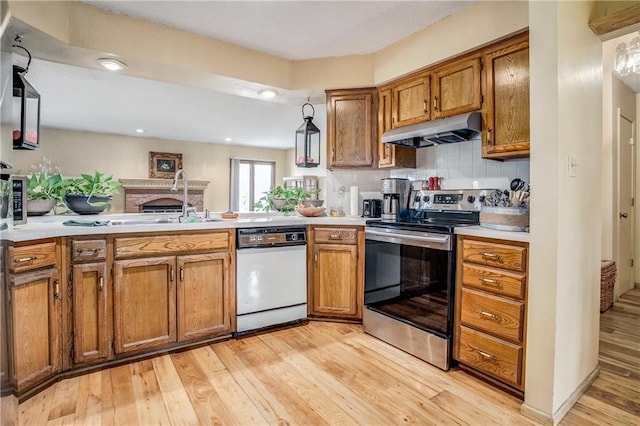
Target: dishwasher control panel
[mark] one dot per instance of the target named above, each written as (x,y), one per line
(271,236)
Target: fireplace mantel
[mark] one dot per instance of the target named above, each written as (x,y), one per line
(139,193)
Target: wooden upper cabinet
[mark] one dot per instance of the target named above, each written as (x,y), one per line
(35,320)
(351,128)
(204,295)
(411,101)
(506,132)
(144,303)
(456,88)
(390,155)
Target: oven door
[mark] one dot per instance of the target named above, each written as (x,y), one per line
(409,277)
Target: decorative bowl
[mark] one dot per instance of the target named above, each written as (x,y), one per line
(313,203)
(39,207)
(79,204)
(311,211)
(279,203)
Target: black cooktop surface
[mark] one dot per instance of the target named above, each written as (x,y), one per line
(430,221)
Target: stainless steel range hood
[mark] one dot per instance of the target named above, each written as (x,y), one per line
(453,129)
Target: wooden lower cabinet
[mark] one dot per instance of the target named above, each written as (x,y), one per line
(203,294)
(490,309)
(91,325)
(144,303)
(34,325)
(336,273)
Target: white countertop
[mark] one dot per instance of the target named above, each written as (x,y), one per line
(51,226)
(479,231)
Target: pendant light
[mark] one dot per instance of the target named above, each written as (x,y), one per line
(308,141)
(26,133)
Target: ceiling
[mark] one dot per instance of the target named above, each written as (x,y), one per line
(99,101)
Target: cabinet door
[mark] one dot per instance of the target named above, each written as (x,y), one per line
(410,101)
(335,281)
(144,303)
(35,319)
(91,328)
(456,88)
(203,295)
(507,102)
(390,155)
(351,125)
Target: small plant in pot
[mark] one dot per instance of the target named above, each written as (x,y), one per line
(5,192)
(44,192)
(90,194)
(281,199)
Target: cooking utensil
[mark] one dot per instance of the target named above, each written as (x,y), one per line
(517,184)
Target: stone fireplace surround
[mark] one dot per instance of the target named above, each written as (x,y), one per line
(140,193)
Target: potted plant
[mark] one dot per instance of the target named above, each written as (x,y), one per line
(90,194)
(282,199)
(43,193)
(5,192)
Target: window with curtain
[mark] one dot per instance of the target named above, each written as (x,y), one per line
(249,179)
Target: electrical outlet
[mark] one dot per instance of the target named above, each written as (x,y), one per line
(572,165)
(341,191)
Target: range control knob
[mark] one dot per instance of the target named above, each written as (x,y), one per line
(417,199)
(294,237)
(481,199)
(471,199)
(426,198)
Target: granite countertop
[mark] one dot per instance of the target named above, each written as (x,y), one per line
(479,231)
(51,226)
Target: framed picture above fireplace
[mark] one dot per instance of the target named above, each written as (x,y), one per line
(164,164)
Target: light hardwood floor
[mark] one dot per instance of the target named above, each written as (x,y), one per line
(325,373)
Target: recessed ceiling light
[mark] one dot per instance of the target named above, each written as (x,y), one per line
(111,64)
(268,93)
(139,130)
(227,139)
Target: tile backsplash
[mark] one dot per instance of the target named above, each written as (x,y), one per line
(460,165)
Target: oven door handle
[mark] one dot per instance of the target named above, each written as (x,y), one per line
(438,242)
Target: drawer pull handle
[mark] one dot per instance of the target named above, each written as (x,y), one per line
(335,237)
(490,255)
(490,281)
(90,252)
(488,315)
(26,259)
(101,283)
(486,355)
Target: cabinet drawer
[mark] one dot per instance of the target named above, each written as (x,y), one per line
(495,254)
(88,250)
(144,246)
(493,356)
(336,235)
(495,315)
(494,280)
(31,257)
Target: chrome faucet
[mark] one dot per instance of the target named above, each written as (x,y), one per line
(185,187)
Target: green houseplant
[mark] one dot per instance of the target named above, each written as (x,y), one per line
(5,191)
(44,191)
(281,199)
(90,194)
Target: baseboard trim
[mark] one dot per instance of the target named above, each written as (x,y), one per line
(540,417)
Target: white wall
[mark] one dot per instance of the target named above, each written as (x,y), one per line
(566,118)
(127,157)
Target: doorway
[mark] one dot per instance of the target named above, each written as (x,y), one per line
(624,214)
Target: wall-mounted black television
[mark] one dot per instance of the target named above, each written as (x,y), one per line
(26,132)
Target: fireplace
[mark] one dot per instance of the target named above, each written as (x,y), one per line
(155,195)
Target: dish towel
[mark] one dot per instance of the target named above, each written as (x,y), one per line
(86,223)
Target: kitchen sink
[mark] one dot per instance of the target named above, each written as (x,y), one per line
(160,221)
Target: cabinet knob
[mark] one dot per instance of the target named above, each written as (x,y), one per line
(435,103)
(101,283)
(56,289)
(489,141)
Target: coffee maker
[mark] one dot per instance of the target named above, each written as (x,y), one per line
(395,198)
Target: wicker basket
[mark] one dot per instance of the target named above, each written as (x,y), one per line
(607,280)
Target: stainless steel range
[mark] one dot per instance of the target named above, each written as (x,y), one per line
(410,273)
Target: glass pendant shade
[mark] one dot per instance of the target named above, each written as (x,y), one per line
(308,141)
(626,59)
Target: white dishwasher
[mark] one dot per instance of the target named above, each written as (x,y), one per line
(271,277)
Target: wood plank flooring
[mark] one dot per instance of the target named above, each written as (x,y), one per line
(326,373)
